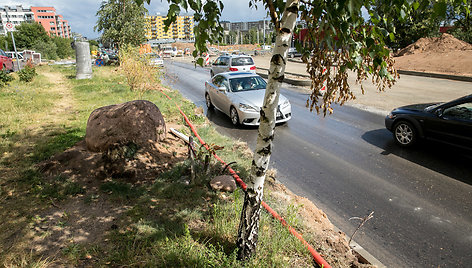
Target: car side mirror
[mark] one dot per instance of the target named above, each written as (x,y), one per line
(439,112)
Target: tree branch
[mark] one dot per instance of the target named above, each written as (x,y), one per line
(273,14)
(307,3)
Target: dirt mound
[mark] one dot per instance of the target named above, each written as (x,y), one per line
(80,163)
(444,43)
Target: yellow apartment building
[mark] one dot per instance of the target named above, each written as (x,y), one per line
(181,29)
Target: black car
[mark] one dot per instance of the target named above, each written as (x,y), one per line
(449,122)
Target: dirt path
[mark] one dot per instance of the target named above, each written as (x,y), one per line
(61,87)
(16,207)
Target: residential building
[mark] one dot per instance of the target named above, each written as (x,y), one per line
(245,26)
(182,29)
(15,15)
(53,23)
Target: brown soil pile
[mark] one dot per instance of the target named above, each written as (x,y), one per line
(444,43)
(442,55)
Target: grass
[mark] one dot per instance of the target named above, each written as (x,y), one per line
(167,223)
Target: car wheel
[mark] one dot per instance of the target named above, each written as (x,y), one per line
(208,101)
(234,116)
(404,134)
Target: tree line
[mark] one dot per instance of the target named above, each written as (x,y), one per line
(32,36)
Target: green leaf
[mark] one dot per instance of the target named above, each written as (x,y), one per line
(439,9)
(200,61)
(416,5)
(402,14)
(383,72)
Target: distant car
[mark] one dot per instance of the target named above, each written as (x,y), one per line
(293,52)
(13,55)
(6,63)
(449,122)
(233,63)
(240,95)
(169,52)
(156,60)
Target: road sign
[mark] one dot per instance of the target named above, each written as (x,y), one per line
(9,26)
(99,62)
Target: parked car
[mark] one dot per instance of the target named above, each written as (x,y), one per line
(233,63)
(6,63)
(13,55)
(240,95)
(449,122)
(169,52)
(156,60)
(293,52)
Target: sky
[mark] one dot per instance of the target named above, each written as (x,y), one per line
(81,13)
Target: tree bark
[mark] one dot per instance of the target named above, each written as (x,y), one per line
(249,223)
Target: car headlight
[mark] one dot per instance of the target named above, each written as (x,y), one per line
(391,115)
(246,107)
(285,104)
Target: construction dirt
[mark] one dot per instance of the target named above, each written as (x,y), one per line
(444,55)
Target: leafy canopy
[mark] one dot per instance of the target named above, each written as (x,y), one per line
(121,22)
(338,38)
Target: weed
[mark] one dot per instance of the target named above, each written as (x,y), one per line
(5,78)
(27,73)
(73,188)
(122,190)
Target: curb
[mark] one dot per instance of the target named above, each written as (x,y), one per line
(435,75)
(294,82)
(415,73)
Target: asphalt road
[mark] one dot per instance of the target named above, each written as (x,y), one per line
(348,165)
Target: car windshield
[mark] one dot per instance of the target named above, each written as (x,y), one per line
(429,108)
(247,83)
(242,61)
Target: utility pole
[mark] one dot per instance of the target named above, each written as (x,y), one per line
(13,40)
(263,29)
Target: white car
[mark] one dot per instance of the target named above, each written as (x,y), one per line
(169,52)
(240,95)
(156,60)
(233,63)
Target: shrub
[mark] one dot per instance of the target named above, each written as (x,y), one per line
(5,78)
(140,75)
(27,73)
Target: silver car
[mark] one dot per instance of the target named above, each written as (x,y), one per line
(233,63)
(155,60)
(240,95)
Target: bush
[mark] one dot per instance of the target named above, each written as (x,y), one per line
(47,49)
(27,73)
(140,75)
(5,78)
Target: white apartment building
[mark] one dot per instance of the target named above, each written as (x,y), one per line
(15,15)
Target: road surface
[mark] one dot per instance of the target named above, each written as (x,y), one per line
(348,165)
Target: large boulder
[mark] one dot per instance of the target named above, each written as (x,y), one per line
(139,122)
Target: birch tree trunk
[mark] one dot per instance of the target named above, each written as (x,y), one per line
(249,223)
